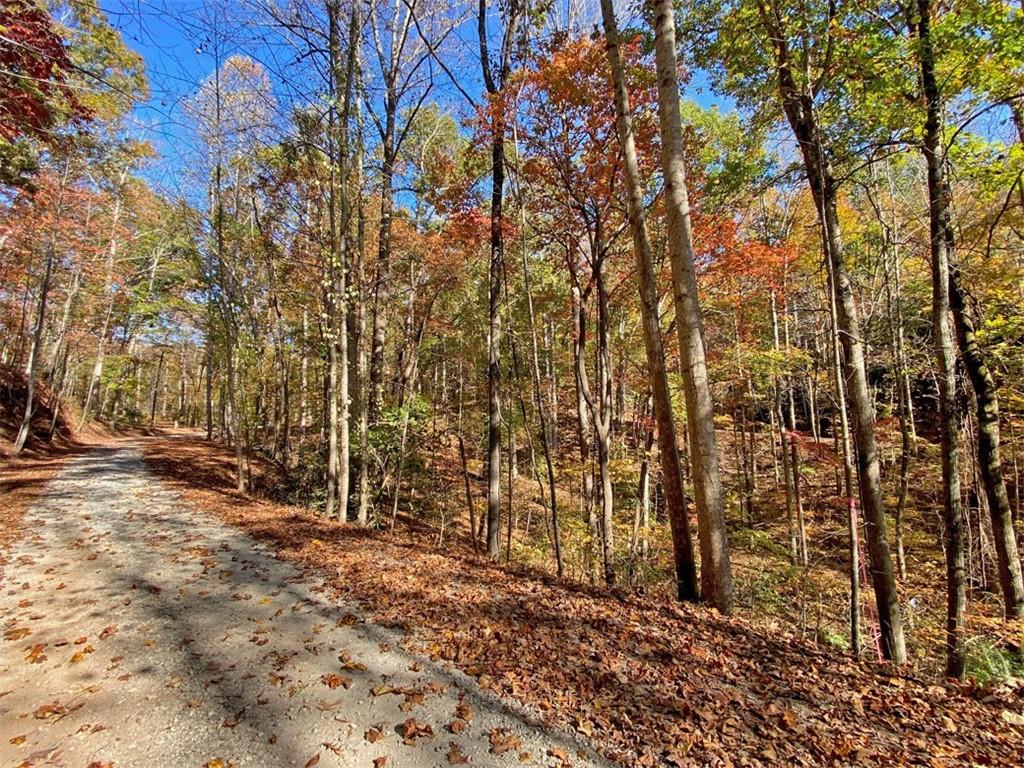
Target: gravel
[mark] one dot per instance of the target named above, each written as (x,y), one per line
(138,632)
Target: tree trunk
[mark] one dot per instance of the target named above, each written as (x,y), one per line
(945,354)
(672,477)
(799,108)
(156,387)
(538,397)
(25,429)
(362,503)
(379,311)
(497,262)
(584,419)
(988,446)
(716,572)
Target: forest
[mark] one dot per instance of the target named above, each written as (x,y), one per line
(718,302)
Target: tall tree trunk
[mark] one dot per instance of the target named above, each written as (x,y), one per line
(583,421)
(342,86)
(784,428)
(362,503)
(97,371)
(208,346)
(156,387)
(602,409)
(672,477)
(379,311)
(304,379)
(798,104)
(945,353)
(716,572)
(600,406)
(538,397)
(842,441)
(465,469)
(988,445)
(25,429)
(494,340)
(494,84)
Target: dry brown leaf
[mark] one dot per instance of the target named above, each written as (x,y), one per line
(455,755)
(413,729)
(464,711)
(52,710)
(559,754)
(80,655)
(332,680)
(503,741)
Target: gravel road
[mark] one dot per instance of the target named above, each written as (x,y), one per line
(138,632)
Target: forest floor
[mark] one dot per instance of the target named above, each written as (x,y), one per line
(179,623)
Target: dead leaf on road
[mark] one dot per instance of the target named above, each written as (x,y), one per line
(80,655)
(332,680)
(413,729)
(455,755)
(503,741)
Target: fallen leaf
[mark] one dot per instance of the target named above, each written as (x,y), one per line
(313,761)
(348,664)
(80,655)
(503,741)
(16,740)
(332,680)
(558,753)
(412,700)
(455,755)
(413,729)
(46,711)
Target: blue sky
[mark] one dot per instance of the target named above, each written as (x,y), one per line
(173,37)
